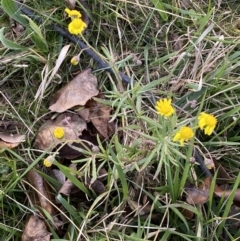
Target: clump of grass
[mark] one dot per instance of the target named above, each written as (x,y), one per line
(190,56)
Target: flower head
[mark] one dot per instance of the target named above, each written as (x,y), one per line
(49,161)
(207,123)
(164,107)
(73,13)
(59,132)
(184,134)
(77,26)
(75,60)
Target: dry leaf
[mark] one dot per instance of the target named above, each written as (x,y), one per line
(96,185)
(72,124)
(199,195)
(10,141)
(74,150)
(81,89)
(99,115)
(35,230)
(222,175)
(68,185)
(226,193)
(10,138)
(18,29)
(187,213)
(8,125)
(42,192)
(58,175)
(84,113)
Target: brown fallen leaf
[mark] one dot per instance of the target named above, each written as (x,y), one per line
(227,193)
(41,190)
(9,125)
(81,89)
(72,124)
(10,141)
(99,115)
(75,150)
(35,230)
(222,175)
(187,213)
(84,113)
(12,138)
(96,185)
(18,29)
(199,195)
(68,185)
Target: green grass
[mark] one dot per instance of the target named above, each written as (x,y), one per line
(190,55)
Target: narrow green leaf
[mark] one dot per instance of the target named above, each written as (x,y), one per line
(37,36)
(33,26)
(121,174)
(68,207)
(67,172)
(11,8)
(9,44)
(158,5)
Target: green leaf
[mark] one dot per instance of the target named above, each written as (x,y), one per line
(159,6)
(33,26)
(67,172)
(9,44)
(37,36)
(11,8)
(120,173)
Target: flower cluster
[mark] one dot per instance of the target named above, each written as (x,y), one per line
(77,26)
(184,134)
(164,107)
(206,122)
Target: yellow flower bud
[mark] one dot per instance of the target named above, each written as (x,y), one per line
(49,161)
(75,60)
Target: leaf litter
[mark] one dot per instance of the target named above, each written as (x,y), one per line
(79,92)
(10,140)
(72,124)
(78,126)
(82,88)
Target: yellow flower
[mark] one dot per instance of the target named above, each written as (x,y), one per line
(207,123)
(59,132)
(164,107)
(75,60)
(73,13)
(77,26)
(49,161)
(184,134)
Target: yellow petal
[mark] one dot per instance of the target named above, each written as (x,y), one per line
(177,137)
(208,130)
(182,142)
